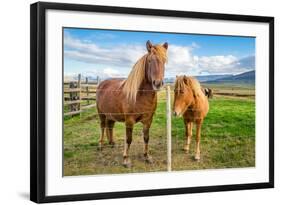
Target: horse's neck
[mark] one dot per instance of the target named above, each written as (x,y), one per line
(145,85)
(197,102)
(147,89)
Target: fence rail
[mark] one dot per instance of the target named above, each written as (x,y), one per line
(79,96)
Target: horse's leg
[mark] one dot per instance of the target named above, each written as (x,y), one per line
(106,130)
(102,125)
(110,125)
(198,135)
(146,127)
(188,135)
(127,142)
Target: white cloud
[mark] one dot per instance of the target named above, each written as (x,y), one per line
(122,55)
(181,59)
(217,64)
(112,73)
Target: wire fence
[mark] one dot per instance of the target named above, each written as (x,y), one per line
(167,139)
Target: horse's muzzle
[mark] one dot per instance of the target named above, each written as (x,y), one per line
(157,84)
(177,114)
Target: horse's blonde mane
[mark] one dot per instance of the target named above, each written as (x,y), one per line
(184,81)
(132,83)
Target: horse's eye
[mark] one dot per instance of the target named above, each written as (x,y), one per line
(181,91)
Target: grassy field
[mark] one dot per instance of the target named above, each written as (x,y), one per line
(227,141)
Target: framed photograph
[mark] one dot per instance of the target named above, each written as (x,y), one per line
(129,102)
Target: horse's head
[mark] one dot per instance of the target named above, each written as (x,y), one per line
(155,64)
(183,95)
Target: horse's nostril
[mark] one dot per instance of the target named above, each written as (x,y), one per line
(157,83)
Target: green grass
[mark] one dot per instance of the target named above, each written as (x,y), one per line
(227,117)
(227,140)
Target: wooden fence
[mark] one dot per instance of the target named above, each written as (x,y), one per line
(79,95)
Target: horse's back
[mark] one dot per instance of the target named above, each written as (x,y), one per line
(109,86)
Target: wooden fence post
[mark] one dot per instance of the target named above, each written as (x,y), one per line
(87,90)
(169,130)
(80,97)
(77,97)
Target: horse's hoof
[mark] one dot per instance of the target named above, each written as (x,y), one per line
(99,148)
(148,159)
(186,148)
(112,144)
(197,158)
(127,163)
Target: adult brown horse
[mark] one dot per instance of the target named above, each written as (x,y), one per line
(192,104)
(134,99)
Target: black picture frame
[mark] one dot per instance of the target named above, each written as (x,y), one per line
(38,101)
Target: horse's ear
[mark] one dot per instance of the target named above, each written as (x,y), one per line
(185,79)
(165,45)
(148,45)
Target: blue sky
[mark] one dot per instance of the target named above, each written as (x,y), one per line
(109,53)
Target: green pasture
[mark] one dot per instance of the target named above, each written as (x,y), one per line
(227,140)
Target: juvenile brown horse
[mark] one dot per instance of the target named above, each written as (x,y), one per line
(134,99)
(192,104)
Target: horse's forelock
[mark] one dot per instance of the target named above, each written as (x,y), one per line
(160,52)
(182,82)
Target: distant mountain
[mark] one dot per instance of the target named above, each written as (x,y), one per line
(247,77)
(205,78)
